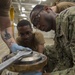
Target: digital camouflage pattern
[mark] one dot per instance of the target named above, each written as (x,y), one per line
(62,55)
(69,71)
(51,54)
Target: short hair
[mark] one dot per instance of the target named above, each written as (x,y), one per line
(37,7)
(23,23)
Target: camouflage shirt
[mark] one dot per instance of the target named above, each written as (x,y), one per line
(65,39)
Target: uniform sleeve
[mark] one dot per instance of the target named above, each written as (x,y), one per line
(5,7)
(72,36)
(70,46)
(39,37)
(63,5)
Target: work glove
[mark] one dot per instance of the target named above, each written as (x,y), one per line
(31,73)
(15,47)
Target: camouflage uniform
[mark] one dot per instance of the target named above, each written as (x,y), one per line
(70,71)
(64,51)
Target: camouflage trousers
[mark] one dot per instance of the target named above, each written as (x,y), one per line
(53,63)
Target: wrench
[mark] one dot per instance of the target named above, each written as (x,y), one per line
(8,62)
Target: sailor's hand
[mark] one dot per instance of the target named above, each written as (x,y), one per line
(15,47)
